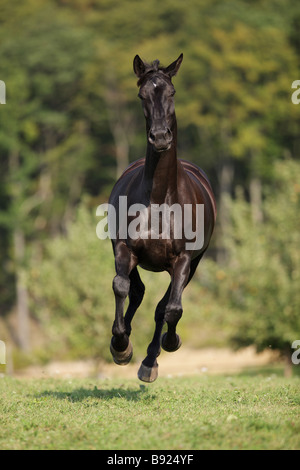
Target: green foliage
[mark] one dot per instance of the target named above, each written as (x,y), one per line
(254,299)
(259,286)
(70,289)
(72,122)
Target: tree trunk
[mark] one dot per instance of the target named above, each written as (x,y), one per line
(122,147)
(256,200)
(288,365)
(18,240)
(21,291)
(119,123)
(226,175)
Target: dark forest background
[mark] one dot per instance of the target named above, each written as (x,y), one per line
(72,123)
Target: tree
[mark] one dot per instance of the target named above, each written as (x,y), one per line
(260,285)
(72,119)
(43,137)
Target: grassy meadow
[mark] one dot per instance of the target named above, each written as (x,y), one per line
(200,412)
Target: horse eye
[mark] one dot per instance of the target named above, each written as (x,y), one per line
(140,96)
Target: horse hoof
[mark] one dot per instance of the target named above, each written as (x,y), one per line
(148,374)
(122,358)
(165,346)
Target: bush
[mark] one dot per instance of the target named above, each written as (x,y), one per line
(260,284)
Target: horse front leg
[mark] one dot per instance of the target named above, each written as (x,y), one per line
(121,347)
(181,275)
(136,294)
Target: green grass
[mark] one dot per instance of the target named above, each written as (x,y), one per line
(236,412)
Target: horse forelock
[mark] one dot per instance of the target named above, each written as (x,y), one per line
(150,70)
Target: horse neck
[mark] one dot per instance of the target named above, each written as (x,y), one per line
(160,173)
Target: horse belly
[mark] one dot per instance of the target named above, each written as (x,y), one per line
(158,255)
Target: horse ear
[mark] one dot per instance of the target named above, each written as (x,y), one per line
(174,67)
(138,66)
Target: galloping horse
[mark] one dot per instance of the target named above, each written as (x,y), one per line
(159,179)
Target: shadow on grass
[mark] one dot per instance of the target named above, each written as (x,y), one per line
(81,394)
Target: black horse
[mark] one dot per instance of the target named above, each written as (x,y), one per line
(158,179)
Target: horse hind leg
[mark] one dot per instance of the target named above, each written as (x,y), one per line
(168,310)
(148,371)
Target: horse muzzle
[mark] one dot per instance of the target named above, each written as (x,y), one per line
(161,139)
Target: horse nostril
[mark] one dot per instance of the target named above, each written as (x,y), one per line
(151,137)
(168,134)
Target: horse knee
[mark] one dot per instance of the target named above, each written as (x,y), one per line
(173,314)
(171,341)
(121,286)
